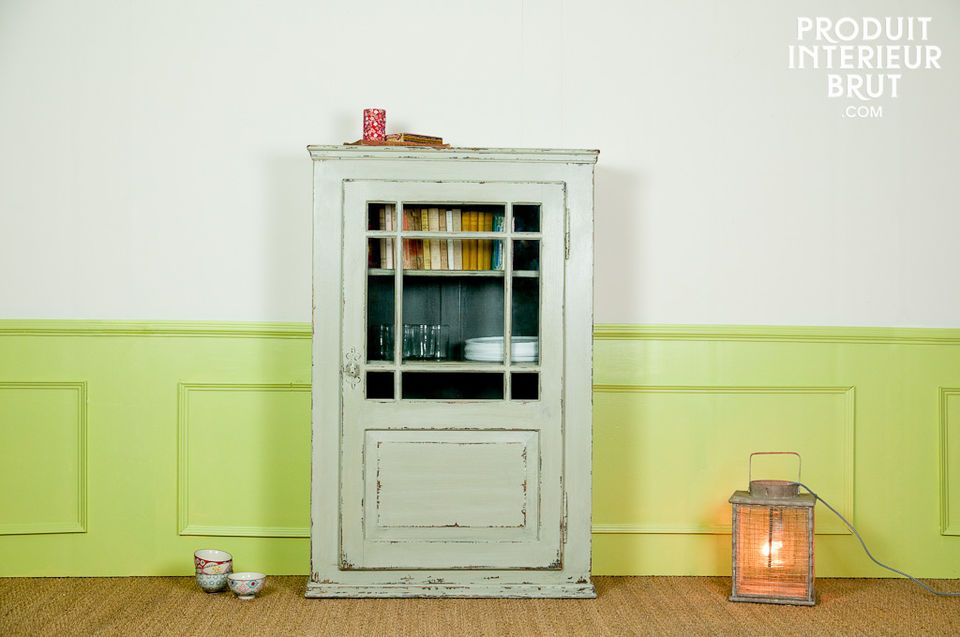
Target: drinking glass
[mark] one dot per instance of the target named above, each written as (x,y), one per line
(385,341)
(410,341)
(426,341)
(380,343)
(425,344)
(439,342)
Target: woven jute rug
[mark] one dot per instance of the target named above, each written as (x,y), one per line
(625,606)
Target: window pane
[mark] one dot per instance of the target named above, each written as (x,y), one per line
(461,217)
(380,317)
(525,319)
(525,313)
(380,254)
(525,386)
(526,255)
(380,385)
(443,309)
(380,216)
(526,217)
(420,256)
(452,385)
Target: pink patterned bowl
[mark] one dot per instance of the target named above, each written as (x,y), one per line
(212,562)
(246,585)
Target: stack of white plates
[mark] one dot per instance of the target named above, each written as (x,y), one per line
(489,349)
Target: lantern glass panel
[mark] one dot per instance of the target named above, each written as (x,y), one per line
(773,551)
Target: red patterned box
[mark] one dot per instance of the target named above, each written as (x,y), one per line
(374,124)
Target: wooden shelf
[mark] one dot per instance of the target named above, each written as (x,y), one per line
(450,366)
(527,274)
(443,235)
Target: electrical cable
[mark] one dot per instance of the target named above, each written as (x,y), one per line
(870,555)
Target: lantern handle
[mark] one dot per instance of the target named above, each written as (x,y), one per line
(773,453)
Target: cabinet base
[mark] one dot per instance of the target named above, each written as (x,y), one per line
(581,591)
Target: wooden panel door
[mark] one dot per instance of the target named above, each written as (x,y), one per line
(452,344)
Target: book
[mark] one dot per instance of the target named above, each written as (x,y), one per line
(470,245)
(485,224)
(497,252)
(444,257)
(415,138)
(391,223)
(480,242)
(478,227)
(382,225)
(416,245)
(424,244)
(391,142)
(448,226)
(490,220)
(392,226)
(457,245)
(409,254)
(434,219)
(421,256)
(465,243)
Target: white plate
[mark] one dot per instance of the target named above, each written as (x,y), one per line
(497,358)
(493,346)
(498,340)
(489,349)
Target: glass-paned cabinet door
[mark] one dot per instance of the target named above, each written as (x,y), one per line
(441,286)
(453,344)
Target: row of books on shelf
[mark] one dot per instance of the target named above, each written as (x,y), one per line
(439,254)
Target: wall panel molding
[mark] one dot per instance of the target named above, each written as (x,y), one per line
(829,527)
(778,333)
(186,527)
(949,458)
(602,331)
(204,329)
(78,523)
(133,485)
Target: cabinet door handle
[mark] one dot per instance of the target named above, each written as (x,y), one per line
(351,367)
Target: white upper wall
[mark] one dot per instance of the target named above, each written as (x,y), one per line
(152,161)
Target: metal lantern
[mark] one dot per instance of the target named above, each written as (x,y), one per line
(773,541)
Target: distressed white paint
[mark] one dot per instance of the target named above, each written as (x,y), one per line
(457,482)
(151,161)
(512,515)
(454,590)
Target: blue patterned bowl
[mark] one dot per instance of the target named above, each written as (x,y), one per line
(246,585)
(212,582)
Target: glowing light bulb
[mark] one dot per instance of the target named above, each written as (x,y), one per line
(771,548)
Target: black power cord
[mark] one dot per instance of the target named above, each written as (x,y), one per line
(870,555)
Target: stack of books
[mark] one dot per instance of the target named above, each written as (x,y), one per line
(416,138)
(441,254)
(403,139)
(380,251)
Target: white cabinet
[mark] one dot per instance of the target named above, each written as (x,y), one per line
(451,372)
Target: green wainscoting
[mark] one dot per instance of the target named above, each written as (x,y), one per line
(126,445)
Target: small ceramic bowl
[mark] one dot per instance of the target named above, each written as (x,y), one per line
(246,585)
(212,562)
(212,583)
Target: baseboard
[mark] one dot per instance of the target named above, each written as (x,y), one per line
(555,591)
